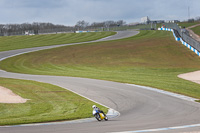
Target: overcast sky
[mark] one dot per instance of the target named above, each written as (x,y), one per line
(68,12)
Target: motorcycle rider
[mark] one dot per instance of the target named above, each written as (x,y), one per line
(96,108)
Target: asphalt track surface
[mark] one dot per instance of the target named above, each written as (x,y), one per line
(140,109)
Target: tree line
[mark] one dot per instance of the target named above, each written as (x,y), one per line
(45,28)
(33,28)
(191,20)
(81,25)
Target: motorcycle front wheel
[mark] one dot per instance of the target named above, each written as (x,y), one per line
(106,118)
(97,116)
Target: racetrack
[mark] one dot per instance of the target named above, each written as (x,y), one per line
(139,108)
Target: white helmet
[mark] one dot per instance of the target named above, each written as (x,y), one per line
(94,106)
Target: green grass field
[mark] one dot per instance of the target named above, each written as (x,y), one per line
(187,24)
(151,58)
(196,30)
(20,42)
(47,103)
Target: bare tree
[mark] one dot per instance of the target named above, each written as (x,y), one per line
(197,19)
(82,25)
(107,24)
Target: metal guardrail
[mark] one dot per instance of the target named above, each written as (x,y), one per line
(184,35)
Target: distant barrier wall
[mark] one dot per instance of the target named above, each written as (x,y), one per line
(84,31)
(177,38)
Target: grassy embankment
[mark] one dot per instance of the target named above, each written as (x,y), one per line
(187,24)
(47,103)
(196,30)
(20,42)
(151,58)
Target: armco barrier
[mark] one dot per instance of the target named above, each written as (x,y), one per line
(185,35)
(180,39)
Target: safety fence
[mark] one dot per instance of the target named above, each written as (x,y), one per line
(184,34)
(178,37)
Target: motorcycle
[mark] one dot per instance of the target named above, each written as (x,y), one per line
(99,115)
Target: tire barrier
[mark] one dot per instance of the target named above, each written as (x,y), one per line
(178,38)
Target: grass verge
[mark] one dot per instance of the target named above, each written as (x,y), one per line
(20,42)
(47,103)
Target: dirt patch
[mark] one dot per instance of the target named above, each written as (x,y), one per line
(7,96)
(191,76)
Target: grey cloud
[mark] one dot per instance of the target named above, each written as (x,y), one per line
(68,12)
